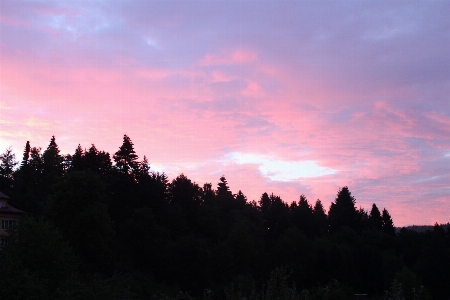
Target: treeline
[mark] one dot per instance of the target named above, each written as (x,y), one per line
(102,227)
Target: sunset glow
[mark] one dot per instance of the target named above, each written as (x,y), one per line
(290,98)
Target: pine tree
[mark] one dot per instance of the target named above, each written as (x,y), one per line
(78,159)
(52,162)
(264,203)
(222,187)
(343,211)
(376,220)
(7,164)
(126,158)
(302,216)
(388,223)
(23,174)
(241,199)
(26,154)
(208,194)
(320,219)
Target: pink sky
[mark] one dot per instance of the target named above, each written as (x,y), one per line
(292,97)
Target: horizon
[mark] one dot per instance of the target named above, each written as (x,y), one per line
(286,98)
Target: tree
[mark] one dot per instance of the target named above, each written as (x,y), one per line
(343,211)
(126,158)
(26,154)
(184,192)
(97,161)
(30,193)
(36,262)
(78,159)
(208,194)
(275,214)
(388,224)
(376,221)
(241,199)
(78,208)
(53,162)
(143,171)
(320,219)
(303,216)
(264,203)
(222,187)
(7,164)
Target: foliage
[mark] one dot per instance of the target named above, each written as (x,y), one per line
(121,231)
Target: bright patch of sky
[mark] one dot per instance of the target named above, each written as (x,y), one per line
(281,170)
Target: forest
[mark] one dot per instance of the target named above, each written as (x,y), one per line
(102,227)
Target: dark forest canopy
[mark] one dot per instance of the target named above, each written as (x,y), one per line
(126,232)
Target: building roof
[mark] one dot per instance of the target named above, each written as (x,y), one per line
(11,210)
(8,208)
(3,196)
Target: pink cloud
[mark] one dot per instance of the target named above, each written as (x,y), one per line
(229,58)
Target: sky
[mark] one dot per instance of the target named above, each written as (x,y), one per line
(283,97)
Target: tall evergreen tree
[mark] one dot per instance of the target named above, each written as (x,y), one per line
(303,216)
(185,192)
(264,203)
(97,161)
(7,165)
(78,159)
(376,220)
(241,199)
(52,162)
(343,211)
(320,219)
(208,194)
(126,158)
(26,154)
(22,175)
(388,223)
(222,187)
(143,171)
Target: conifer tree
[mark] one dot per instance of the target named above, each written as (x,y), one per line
(302,216)
(222,187)
(78,159)
(23,174)
(241,199)
(52,162)
(7,164)
(208,194)
(26,154)
(376,220)
(264,202)
(388,224)
(126,158)
(343,211)
(320,218)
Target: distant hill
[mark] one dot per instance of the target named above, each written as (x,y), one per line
(421,228)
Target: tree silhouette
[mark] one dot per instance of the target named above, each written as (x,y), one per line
(343,211)
(53,161)
(376,220)
(126,158)
(78,159)
(7,164)
(26,154)
(208,194)
(320,219)
(78,208)
(222,187)
(388,224)
(302,215)
(97,161)
(241,199)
